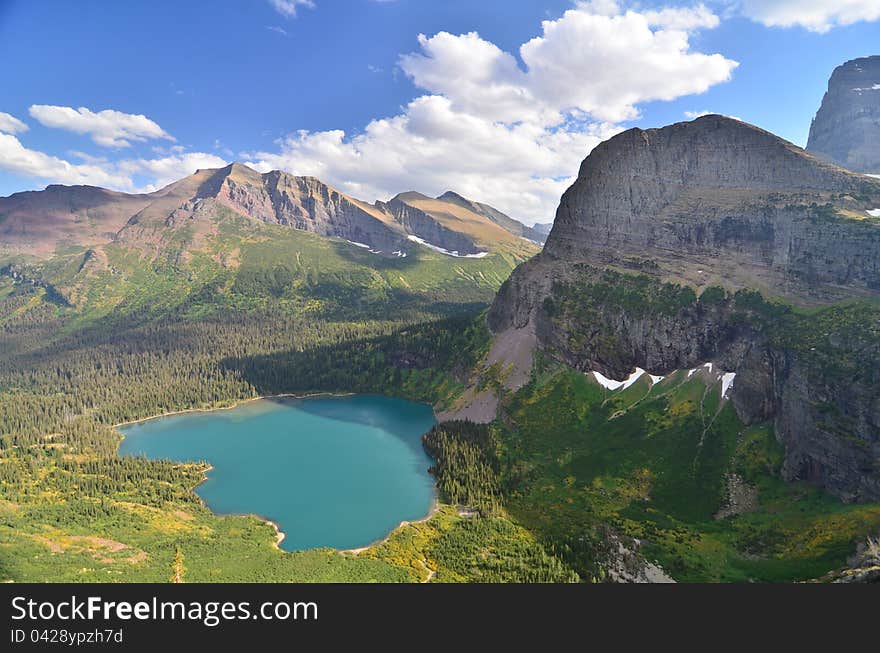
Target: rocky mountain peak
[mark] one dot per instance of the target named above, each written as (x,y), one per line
(452,196)
(717,200)
(410,196)
(501,219)
(702,210)
(846,129)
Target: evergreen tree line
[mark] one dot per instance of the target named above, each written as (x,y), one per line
(466,464)
(63,386)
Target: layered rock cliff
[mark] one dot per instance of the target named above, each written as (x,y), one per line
(654,259)
(308,204)
(846,130)
(719,201)
(420,223)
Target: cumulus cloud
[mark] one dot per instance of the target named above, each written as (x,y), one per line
(814,15)
(433,148)
(698,17)
(107,128)
(605,65)
(19,160)
(11,125)
(507,133)
(596,63)
(499,128)
(167,169)
(288,8)
(97,171)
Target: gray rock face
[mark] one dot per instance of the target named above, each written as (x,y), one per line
(543,228)
(846,130)
(864,566)
(718,202)
(828,423)
(308,204)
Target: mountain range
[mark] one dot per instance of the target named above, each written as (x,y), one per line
(38,223)
(681,385)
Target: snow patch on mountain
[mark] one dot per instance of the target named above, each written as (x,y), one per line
(421,241)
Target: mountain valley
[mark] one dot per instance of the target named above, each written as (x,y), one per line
(680,385)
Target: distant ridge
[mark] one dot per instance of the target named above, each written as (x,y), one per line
(37,223)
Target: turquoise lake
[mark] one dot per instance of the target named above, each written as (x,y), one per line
(338,472)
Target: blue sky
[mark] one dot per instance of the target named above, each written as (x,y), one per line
(133,95)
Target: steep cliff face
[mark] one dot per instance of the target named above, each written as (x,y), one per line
(846,130)
(653,261)
(720,201)
(543,228)
(453,223)
(420,223)
(308,204)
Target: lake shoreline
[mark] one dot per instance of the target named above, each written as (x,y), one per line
(279,534)
(237,404)
(433,510)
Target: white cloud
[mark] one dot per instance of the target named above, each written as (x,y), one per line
(599,7)
(698,17)
(168,169)
(433,148)
(17,159)
(506,134)
(107,128)
(814,15)
(477,76)
(605,65)
(277,29)
(11,125)
(500,130)
(288,8)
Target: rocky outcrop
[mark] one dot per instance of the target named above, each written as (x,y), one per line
(864,566)
(846,130)
(308,204)
(651,260)
(719,201)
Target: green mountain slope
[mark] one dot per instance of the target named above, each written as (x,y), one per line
(223,259)
(194,303)
(671,466)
